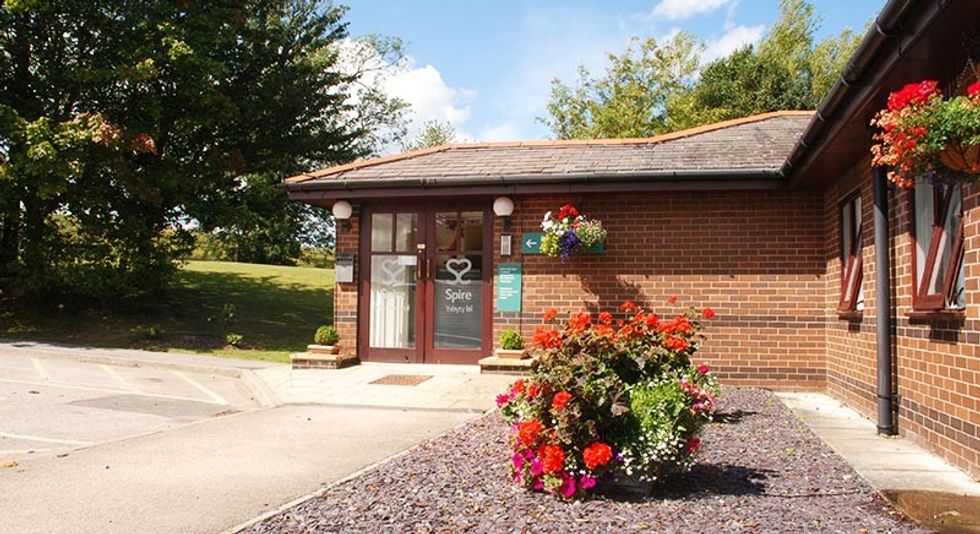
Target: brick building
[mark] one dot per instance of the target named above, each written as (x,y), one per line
(823,276)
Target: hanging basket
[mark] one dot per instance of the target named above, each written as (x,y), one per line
(961,159)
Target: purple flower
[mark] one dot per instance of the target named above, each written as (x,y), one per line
(536,467)
(517,477)
(517,460)
(502,399)
(567,488)
(528,454)
(538,484)
(586,482)
(569,243)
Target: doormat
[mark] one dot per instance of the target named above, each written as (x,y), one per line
(401,380)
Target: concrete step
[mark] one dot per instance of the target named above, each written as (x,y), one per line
(309,360)
(507,366)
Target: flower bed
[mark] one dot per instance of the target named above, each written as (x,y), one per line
(611,397)
(921,134)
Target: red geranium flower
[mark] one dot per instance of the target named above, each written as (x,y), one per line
(708,313)
(913,94)
(596,455)
(675,343)
(532,390)
(546,338)
(973,90)
(672,299)
(567,210)
(550,314)
(517,387)
(560,400)
(627,306)
(605,317)
(579,322)
(552,458)
(527,432)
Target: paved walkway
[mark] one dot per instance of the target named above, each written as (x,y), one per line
(209,476)
(927,488)
(438,387)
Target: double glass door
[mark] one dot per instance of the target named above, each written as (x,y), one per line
(426,293)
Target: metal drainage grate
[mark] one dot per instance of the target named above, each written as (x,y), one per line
(401,380)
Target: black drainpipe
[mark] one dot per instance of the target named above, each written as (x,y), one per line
(883,305)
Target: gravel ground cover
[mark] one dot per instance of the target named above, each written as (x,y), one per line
(761,470)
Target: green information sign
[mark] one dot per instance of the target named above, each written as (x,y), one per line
(509,287)
(531,244)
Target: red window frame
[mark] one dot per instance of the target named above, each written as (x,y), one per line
(851,262)
(921,299)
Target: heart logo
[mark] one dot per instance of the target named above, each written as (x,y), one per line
(459,267)
(393,272)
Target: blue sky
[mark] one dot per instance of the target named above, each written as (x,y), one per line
(486,66)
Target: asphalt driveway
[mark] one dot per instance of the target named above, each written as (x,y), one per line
(95,447)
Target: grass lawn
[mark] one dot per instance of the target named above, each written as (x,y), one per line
(275,308)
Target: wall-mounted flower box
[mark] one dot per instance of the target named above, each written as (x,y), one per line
(570,232)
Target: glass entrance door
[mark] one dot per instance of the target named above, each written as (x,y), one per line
(428,293)
(458,287)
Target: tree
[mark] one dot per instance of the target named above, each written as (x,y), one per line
(788,70)
(121,121)
(434,133)
(660,89)
(630,100)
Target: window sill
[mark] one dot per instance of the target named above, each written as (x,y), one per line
(850,315)
(925,316)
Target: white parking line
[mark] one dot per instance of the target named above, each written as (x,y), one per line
(106,390)
(118,378)
(41,371)
(200,387)
(43,439)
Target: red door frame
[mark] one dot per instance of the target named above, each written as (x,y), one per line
(425,350)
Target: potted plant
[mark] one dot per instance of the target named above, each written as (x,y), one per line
(615,400)
(325,341)
(570,232)
(922,134)
(511,346)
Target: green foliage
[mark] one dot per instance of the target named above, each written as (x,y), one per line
(511,340)
(630,99)
(434,133)
(660,89)
(122,121)
(235,340)
(326,335)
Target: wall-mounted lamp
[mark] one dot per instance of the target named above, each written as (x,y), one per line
(503,207)
(342,210)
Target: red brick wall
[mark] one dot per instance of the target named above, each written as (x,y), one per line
(755,257)
(345,295)
(937,372)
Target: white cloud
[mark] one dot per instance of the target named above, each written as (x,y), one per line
(735,37)
(421,86)
(430,96)
(682,9)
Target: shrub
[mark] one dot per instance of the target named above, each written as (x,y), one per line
(235,340)
(511,340)
(610,397)
(326,335)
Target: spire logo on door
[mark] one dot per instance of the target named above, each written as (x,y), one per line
(458,267)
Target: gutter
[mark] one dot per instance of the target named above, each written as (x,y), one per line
(578,178)
(852,89)
(883,307)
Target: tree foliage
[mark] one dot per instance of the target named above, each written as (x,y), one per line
(120,122)
(434,133)
(789,69)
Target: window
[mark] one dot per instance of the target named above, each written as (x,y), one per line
(851,240)
(937,257)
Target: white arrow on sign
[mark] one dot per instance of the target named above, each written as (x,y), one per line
(530,243)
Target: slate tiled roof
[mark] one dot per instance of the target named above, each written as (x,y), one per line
(759,143)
